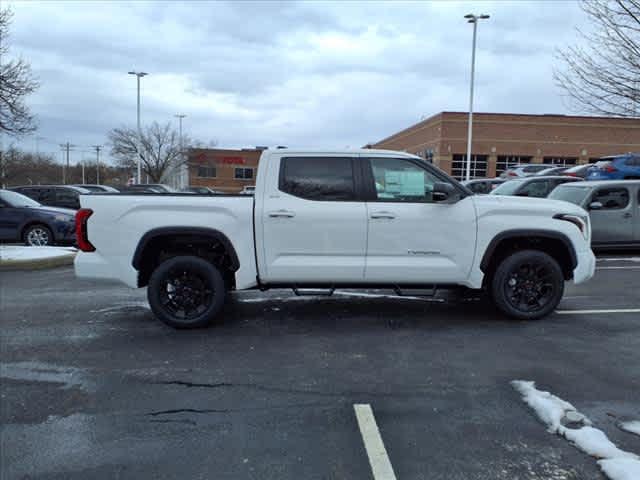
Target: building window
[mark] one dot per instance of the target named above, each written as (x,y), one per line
(459,166)
(560,161)
(505,161)
(243,174)
(206,171)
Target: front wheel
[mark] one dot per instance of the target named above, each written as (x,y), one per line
(527,285)
(186,292)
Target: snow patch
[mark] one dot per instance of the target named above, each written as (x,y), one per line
(615,463)
(15,252)
(123,306)
(631,427)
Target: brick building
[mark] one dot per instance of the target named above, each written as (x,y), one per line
(500,139)
(223,169)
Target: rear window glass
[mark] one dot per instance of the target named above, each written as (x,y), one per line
(318,178)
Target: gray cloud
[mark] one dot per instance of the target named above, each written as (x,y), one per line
(308,73)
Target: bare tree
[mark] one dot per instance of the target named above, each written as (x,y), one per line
(16,83)
(604,76)
(158,149)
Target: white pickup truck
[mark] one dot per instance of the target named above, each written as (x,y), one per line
(328,219)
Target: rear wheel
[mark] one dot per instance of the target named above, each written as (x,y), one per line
(186,292)
(527,285)
(38,236)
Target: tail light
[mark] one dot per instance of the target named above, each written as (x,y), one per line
(570,174)
(512,174)
(610,168)
(81,230)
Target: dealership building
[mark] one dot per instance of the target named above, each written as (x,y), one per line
(499,139)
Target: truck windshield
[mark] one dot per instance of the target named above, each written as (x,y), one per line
(570,194)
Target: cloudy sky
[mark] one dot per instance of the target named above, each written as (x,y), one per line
(323,74)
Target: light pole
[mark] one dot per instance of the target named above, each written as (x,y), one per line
(182,177)
(474,19)
(139,75)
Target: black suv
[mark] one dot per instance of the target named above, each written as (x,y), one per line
(64,196)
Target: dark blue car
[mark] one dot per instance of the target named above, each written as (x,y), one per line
(620,167)
(25,220)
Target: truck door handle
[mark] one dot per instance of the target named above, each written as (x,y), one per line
(627,215)
(387,215)
(282,214)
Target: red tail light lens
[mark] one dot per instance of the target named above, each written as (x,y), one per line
(610,168)
(81,230)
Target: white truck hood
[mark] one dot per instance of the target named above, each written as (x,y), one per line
(500,204)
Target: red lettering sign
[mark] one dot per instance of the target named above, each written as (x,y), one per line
(232,160)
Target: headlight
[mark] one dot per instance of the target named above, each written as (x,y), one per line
(582,223)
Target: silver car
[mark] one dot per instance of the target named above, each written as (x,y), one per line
(614,209)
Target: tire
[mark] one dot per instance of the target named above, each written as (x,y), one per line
(38,236)
(527,285)
(186,292)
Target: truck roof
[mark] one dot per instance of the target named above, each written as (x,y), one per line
(362,151)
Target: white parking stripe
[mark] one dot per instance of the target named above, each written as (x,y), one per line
(378,458)
(618,268)
(590,312)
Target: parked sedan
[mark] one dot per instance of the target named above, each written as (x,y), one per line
(620,167)
(614,209)
(538,187)
(580,171)
(552,171)
(520,171)
(25,220)
(64,196)
(482,186)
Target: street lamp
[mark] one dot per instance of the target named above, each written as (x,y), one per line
(183,179)
(139,75)
(471,18)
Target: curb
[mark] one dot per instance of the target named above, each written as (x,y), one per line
(37,264)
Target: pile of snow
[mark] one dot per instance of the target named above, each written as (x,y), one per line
(21,253)
(631,427)
(615,463)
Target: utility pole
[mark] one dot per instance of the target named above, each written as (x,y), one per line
(97,148)
(471,18)
(181,172)
(66,147)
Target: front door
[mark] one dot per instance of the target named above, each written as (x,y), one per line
(411,237)
(613,222)
(314,227)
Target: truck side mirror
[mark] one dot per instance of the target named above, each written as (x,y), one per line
(595,205)
(442,191)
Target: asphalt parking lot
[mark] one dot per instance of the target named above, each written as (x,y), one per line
(94,387)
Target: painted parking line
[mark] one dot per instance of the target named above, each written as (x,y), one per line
(596,311)
(373,444)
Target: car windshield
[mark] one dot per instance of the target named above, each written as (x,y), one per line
(508,188)
(16,199)
(570,194)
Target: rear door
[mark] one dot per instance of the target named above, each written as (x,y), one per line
(614,222)
(314,225)
(411,238)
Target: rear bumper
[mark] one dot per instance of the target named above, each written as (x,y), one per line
(92,265)
(586,267)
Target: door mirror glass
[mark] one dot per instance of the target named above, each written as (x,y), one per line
(595,205)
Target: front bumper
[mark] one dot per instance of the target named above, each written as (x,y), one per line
(586,267)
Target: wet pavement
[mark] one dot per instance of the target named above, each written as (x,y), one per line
(92,386)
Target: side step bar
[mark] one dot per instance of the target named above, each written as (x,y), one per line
(313,292)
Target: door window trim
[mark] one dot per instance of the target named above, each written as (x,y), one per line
(369,193)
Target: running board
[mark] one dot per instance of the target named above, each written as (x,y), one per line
(313,292)
(432,293)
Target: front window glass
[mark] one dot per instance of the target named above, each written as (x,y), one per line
(612,198)
(574,195)
(398,180)
(538,189)
(16,200)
